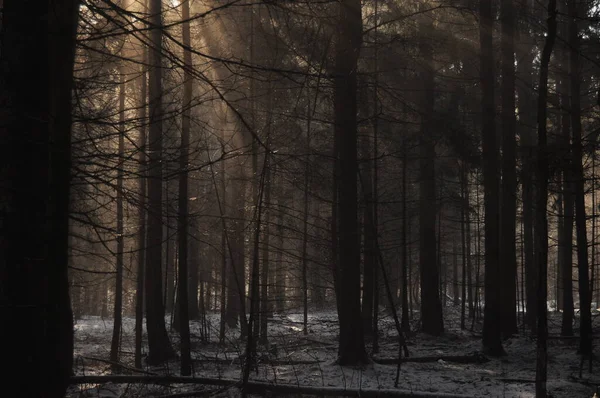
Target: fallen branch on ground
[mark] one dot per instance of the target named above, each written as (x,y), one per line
(473,358)
(236,361)
(120,365)
(255,387)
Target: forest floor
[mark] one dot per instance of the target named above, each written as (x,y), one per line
(311,360)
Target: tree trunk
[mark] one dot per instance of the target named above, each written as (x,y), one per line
(351,342)
(405,244)
(159,346)
(304,254)
(35,148)
(265,287)
(566,244)
(431,306)
(369,262)
(465,245)
(280,271)
(585,347)
(118,309)
(141,237)
(183,216)
(492,341)
(527,108)
(541,236)
(508,247)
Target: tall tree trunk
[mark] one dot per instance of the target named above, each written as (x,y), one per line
(541,236)
(527,108)
(35,148)
(183,216)
(508,247)
(566,244)
(465,245)
(224,247)
(492,340)
(304,258)
(159,346)
(585,347)
(351,342)
(369,262)
(141,236)
(265,287)
(405,244)
(118,309)
(431,306)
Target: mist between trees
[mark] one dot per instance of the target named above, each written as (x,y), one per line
(221,163)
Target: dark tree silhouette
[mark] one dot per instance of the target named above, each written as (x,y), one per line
(36,61)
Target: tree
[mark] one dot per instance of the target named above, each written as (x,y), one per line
(585,345)
(183,217)
(431,306)
(118,310)
(541,236)
(492,341)
(159,346)
(351,344)
(508,247)
(35,144)
(566,243)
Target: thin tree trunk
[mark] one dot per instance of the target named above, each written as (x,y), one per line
(305,220)
(369,260)
(464,245)
(265,288)
(585,347)
(431,306)
(508,247)
(566,244)
(280,285)
(118,308)
(141,236)
(224,268)
(405,247)
(541,242)
(183,216)
(527,108)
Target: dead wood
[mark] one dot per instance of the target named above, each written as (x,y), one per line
(237,361)
(255,387)
(473,358)
(119,365)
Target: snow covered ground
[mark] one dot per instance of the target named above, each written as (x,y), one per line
(310,360)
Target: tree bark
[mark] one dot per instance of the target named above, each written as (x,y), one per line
(351,342)
(35,148)
(141,236)
(159,346)
(566,244)
(118,308)
(492,341)
(527,108)
(508,247)
(541,236)
(585,347)
(431,306)
(183,216)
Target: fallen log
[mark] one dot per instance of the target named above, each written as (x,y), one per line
(119,365)
(255,387)
(473,358)
(275,362)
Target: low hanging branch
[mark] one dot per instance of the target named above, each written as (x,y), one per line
(254,387)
